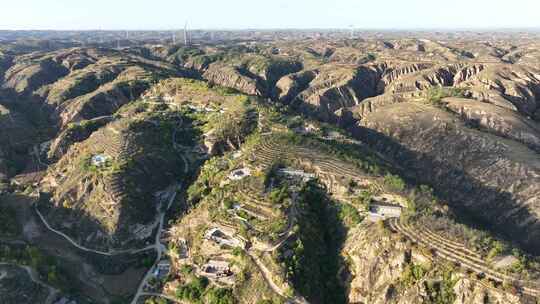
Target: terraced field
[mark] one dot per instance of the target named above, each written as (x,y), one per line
(256,205)
(271,150)
(253,207)
(116,145)
(457,253)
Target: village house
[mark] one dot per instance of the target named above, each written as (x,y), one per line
(291,173)
(239,174)
(385,210)
(99,160)
(216,269)
(216,235)
(162,269)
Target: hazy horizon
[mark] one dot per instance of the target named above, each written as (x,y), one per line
(427,29)
(270,15)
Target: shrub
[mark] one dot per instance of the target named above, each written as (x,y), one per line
(442,292)
(220,296)
(152,300)
(349,215)
(277,196)
(87,166)
(394,182)
(363,199)
(147,262)
(497,249)
(436,94)
(186,269)
(368,58)
(237,251)
(192,291)
(228,204)
(412,274)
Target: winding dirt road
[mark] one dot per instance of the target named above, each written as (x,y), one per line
(35,278)
(75,244)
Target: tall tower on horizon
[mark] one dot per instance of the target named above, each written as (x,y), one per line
(186,34)
(100,35)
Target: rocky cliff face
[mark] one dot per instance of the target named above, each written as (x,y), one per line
(517,84)
(290,86)
(503,85)
(424,79)
(106,99)
(498,120)
(493,178)
(231,77)
(82,83)
(382,263)
(378,262)
(328,90)
(332,89)
(250,74)
(373,104)
(393,73)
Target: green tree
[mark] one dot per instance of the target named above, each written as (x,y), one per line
(220,296)
(394,182)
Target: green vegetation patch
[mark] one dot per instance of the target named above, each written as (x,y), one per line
(349,215)
(198,291)
(313,260)
(8,221)
(85,126)
(49,269)
(412,274)
(442,291)
(229,129)
(436,94)
(193,291)
(210,175)
(394,182)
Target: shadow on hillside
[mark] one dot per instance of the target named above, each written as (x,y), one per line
(314,261)
(85,224)
(53,252)
(474,202)
(461,190)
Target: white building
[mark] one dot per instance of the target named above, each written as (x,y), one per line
(239,174)
(296,173)
(385,210)
(218,236)
(99,160)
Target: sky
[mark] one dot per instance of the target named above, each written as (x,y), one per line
(272,14)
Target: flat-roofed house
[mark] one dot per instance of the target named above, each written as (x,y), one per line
(385,210)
